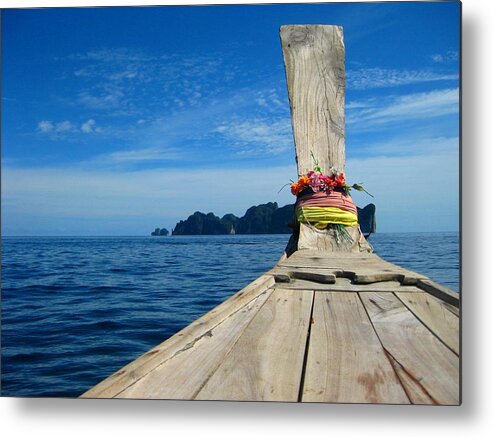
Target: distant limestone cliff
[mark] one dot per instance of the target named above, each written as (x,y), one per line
(267,218)
(262,219)
(160,232)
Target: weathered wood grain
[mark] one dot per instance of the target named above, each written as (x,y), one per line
(440,291)
(452,308)
(266,362)
(322,278)
(325,240)
(182,376)
(135,370)
(415,392)
(362,268)
(346,362)
(435,316)
(424,358)
(315,74)
(343,285)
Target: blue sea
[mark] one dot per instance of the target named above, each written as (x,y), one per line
(76,309)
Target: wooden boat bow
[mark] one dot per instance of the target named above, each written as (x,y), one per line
(330,322)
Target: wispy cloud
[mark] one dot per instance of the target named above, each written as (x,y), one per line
(69,198)
(104,99)
(410,194)
(258,136)
(88,126)
(409,146)
(271,99)
(62,129)
(367,78)
(441,58)
(403,108)
(76,196)
(45,126)
(129,82)
(65,126)
(138,156)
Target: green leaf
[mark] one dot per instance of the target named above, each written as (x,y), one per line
(317,167)
(359,187)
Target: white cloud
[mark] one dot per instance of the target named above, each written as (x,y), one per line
(412,193)
(258,135)
(64,126)
(67,129)
(45,126)
(411,146)
(367,78)
(437,58)
(55,130)
(120,80)
(270,99)
(105,100)
(76,196)
(402,108)
(141,155)
(261,101)
(450,56)
(88,126)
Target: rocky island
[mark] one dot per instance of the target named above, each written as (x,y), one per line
(160,232)
(262,219)
(266,218)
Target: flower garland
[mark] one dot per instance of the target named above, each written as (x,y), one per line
(316,182)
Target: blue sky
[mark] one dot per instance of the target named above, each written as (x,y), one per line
(119,120)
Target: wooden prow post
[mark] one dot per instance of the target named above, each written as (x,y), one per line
(314,59)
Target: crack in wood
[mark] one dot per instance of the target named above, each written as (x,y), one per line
(417,381)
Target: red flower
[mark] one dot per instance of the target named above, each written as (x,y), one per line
(340,180)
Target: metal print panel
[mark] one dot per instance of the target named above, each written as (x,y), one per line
(243,203)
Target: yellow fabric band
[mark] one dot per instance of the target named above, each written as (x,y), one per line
(320,217)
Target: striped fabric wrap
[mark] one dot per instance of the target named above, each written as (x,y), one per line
(321,209)
(336,199)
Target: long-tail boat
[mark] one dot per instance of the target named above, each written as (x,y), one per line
(332,321)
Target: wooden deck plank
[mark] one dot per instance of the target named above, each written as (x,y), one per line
(266,362)
(182,376)
(452,308)
(362,268)
(138,368)
(346,362)
(413,389)
(345,286)
(420,354)
(439,291)
(435,316)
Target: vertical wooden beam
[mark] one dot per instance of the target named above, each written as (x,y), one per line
(314,58)
(315,73)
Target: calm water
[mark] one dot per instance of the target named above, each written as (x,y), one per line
(74,310)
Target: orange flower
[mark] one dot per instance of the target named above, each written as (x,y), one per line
(305,180)
(294,188)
